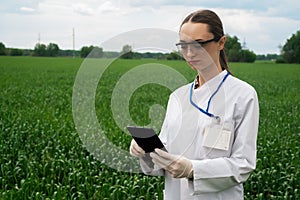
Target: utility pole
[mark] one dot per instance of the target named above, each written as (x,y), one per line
(73,43)
(244,46)
(39,38)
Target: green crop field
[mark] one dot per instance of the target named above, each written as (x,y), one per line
(42,156)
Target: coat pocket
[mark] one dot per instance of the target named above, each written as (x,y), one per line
(217,141)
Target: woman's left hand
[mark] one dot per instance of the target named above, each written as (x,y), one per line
(177,166)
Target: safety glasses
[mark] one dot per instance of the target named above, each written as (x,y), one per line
(194,45)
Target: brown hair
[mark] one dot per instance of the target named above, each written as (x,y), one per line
(215,27)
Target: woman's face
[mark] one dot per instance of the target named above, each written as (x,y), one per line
(199,57)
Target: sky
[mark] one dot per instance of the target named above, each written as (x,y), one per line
(262,25)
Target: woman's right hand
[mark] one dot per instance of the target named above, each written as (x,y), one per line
(135,150)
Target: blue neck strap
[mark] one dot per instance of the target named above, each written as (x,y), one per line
(208,104)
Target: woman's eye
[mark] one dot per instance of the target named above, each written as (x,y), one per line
(184,46)
(197,46)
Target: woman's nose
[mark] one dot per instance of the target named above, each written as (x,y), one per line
(190,51)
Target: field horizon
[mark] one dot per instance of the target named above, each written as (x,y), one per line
(43,156)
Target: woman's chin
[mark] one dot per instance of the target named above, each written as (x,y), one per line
(200,66)
(197,67)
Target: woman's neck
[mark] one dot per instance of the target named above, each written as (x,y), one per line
(208,73)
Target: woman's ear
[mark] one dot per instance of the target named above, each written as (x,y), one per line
(222,42)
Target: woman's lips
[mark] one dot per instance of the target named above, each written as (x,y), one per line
(193,62)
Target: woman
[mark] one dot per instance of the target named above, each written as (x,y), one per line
(211,124)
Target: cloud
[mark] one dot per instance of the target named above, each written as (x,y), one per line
(262,33)
(83,9)
(275,8)
(22,7)
(95,8)
(27,9)
(96,21)
(108,7)
(241,21)
(287,9)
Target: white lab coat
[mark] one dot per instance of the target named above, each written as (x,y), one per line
(218,174)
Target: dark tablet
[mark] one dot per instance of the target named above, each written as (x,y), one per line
(146,138)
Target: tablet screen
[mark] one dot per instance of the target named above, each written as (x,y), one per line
(146,138)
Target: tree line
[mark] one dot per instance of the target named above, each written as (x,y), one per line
(290,52)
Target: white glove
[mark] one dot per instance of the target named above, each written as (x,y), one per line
(135,150)
(177,166)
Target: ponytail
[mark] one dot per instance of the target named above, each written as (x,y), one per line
(223,61)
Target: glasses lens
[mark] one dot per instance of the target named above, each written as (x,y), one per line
(183,47)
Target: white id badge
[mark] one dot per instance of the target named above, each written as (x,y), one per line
(216,136)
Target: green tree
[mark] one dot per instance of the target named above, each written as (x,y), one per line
(2,49)
(247,56)
(52,49)
(233,48)
(291,49)
(126,52)
(85,51)
(40,50)
(15,52)
(174,56)
(235,53)
(96,52)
